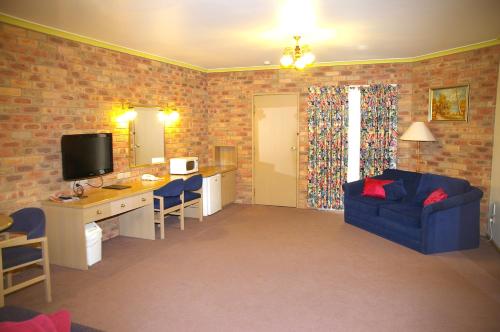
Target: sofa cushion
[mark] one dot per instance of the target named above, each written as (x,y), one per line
(375,187)
(437,195)
(395,191)
(405,213)
(363,205)
(431,182)
(410,181)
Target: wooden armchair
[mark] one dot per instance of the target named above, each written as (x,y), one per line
(169,199)
(24,244)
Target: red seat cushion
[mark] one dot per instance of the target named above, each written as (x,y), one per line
(436,196)
(375,187)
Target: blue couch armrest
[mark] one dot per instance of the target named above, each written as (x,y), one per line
(353,188)
(452,224)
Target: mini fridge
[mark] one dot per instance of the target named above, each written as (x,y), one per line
(211,194)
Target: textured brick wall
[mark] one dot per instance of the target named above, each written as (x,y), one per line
(50,86)
(230,108)
(463,149)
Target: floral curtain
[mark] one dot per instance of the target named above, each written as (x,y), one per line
(327,168)
(379,124)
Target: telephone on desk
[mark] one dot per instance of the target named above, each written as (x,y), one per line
(149,177)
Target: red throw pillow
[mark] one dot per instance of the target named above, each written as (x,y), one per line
(57,322)
(40,323)
(436,196)
(375,187)
(61,320)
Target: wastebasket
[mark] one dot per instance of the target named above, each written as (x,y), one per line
(93,237)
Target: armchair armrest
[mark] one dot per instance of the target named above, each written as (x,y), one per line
(353,188)
(454,201)
(452,224)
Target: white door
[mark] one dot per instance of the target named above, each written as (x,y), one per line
(275,150)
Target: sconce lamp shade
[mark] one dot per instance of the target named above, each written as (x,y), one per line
(418,131)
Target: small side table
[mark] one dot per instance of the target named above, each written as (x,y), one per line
(5,222)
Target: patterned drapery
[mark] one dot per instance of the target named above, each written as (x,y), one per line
(379,125)
(327,168)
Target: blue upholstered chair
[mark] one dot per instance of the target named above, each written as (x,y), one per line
(18,254)
(169,199)
(193,194)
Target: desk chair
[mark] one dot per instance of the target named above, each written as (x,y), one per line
(193,193)
(168,199)
(26,252)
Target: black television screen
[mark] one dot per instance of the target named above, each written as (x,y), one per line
(86,155)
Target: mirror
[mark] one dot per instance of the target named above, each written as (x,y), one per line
(147,137)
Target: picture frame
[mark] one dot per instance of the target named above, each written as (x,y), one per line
(449,103)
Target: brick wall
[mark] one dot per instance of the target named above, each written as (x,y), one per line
(463,149)
(50,86)
(230,108)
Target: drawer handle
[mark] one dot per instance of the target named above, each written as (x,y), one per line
(143,199)
(98,212)
(123,205)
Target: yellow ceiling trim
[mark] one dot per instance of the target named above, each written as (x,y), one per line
(90,41)
(94,42)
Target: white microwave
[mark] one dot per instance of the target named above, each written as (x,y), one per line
(184,165)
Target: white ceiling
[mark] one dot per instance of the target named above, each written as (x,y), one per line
(241,33)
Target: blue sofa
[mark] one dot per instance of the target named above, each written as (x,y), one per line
(451,224)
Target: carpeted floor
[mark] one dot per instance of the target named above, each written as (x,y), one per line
(258,268)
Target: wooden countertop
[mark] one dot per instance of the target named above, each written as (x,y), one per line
(102,196)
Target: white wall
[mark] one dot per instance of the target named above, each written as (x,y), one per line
(495,169)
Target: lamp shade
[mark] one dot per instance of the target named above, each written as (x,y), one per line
(418,131)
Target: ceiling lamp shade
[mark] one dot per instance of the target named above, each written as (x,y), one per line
(298,57)
(418,131)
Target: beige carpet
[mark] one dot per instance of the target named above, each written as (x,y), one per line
(257,268)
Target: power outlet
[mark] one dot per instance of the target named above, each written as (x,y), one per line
(123,175)
(81,182)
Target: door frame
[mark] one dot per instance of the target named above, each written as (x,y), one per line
(297,155)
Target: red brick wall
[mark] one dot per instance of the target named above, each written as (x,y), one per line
(463,149)
(50,86)
(230,108)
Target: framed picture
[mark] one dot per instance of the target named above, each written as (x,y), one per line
(449,103)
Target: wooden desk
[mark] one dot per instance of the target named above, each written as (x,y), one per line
(66,221)
(65,225)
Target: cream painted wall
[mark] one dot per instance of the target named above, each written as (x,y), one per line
(495,168)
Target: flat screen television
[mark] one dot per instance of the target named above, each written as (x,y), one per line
(86,155)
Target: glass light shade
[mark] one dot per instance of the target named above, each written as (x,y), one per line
(161,116)
(308,58)
(173,116)
(130,115)
(286,60)
(300,63)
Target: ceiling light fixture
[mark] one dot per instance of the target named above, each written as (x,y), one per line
(298,57)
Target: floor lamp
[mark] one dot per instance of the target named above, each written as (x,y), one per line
(418,132)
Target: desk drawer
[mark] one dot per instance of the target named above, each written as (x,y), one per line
(96,213)
(144,199)
(123,205)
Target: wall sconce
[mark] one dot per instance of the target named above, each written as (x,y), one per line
(168,116)
(128,114)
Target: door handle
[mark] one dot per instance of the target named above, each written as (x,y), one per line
(293,148)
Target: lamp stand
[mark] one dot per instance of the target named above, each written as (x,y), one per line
(418,156)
